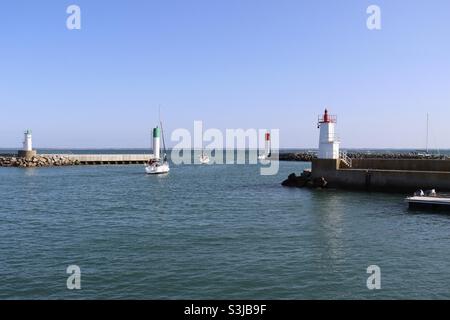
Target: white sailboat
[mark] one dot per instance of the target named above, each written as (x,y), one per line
(158,165)
(204,158)
(427,154)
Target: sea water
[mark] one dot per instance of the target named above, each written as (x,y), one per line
(210,232)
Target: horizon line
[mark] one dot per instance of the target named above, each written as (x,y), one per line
(281,148)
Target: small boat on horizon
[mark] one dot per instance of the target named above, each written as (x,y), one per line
(204,158)
(426,153)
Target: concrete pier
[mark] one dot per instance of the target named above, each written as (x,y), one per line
(99,159)
(334,168)
(384,175)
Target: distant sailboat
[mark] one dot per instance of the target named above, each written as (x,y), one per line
(158,165)
(204,158)
(428,131)
(426,154)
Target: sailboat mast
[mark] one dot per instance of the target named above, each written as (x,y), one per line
(164,141)
(428,125)
(203,149)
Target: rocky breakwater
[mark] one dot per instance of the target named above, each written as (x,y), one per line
(37,161)
(301,156)
(396,156)
(304,180)
(309,156)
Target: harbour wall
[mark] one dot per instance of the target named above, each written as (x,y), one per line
(50,160)
(385,175)
(87,159)
(402,164)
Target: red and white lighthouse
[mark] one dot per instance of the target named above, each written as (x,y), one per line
(328,141)
(268,150)
(267,147)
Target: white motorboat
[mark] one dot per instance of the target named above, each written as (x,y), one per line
(429,199)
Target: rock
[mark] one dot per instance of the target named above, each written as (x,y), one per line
(36,161)
(295,181)
(320,182)
(306,173)
(304,180)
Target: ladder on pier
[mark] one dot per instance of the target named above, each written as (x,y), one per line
(343,156)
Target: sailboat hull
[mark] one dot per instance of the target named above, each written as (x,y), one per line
(157,168)
(204,159)
(262,157)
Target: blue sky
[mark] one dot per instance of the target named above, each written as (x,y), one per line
(230,63)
